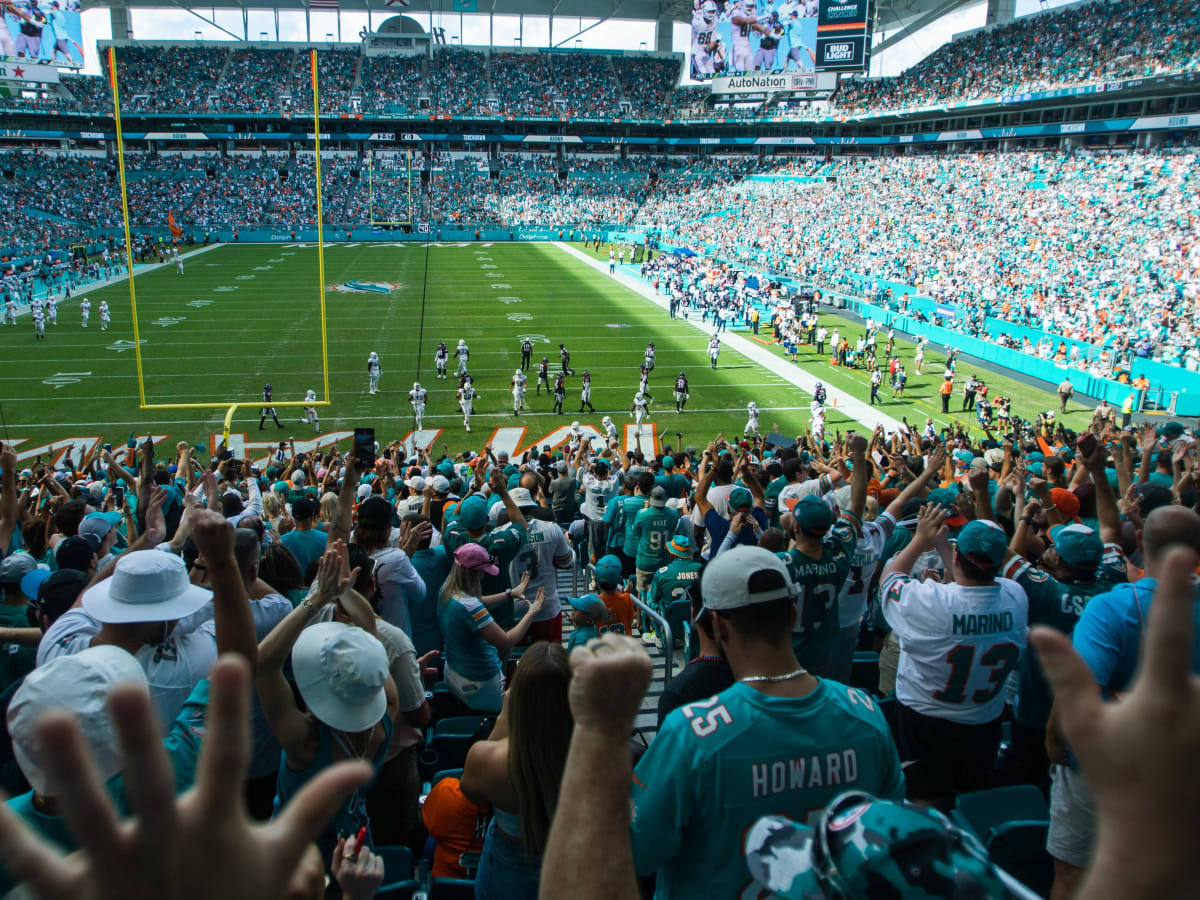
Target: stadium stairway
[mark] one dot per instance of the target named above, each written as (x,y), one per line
(572,583)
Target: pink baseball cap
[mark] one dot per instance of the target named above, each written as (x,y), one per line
(474,557)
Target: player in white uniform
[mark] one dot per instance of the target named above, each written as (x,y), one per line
(440,359)
(10,312)
(714,350)
(744,19)
(374,370)
(519,381)
(704,33)
(178,263)
(649,364)
(310,412)
(39,325)
(639,409)
(751,419)
(85,310)
(585,392)
(416,398)
(105,316)
(466,398)
(52,310)
(610,430)
(462,353)
(817,424)
(681,392)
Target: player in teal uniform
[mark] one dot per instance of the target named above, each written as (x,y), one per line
(778,742)
(653,528)
(503,543)
(673,581)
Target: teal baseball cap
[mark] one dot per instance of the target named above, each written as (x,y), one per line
(591,605)
(740,498)
(473,512)
(608,570)
(947,499)
(813,514)
(983,542)
(1077,545)
(1171,430)
(668,462)
(864,847)
(446,467)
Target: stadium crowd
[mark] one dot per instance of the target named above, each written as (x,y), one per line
(267,630)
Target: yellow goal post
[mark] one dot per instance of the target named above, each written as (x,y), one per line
(227,405)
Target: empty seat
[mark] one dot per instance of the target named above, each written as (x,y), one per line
(397,865)
(451,889)
(864,672)
(1019,847)
(984,811)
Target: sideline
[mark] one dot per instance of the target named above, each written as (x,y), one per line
(845,403)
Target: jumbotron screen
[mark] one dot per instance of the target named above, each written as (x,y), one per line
(739,37)
(48,32)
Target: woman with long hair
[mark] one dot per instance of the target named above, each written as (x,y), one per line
(474,642)
(518,770)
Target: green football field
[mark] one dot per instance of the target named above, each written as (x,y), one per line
(241,316)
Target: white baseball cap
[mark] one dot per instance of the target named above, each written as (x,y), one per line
(745,576)
(146,586)
(341,671)
(520,496)
(416,483)
(79,684)
(441,484)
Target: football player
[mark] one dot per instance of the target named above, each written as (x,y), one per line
(649,365)
(543,375)
(39,324)
(85,311)
(267,411)
(560,392)
(466,399)
(105,316)
(610,430)
(751,419)
(310,416)
(416,398)
(744,19)
(644,382)
(585,393)
(518,391)
(462,353)
(681,392)
(638,410)
(704,34)
(714,350)
(440,359)
(374,370)
(565,354)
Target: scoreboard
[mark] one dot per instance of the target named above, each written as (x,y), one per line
(843,35)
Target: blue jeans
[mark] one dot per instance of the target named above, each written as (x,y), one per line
(506,871)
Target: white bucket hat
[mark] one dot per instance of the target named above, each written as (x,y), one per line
(340,671)
(79,684)
(146,586)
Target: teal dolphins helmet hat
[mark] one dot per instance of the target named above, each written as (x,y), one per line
(863,847)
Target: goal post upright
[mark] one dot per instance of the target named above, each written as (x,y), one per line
(228,406)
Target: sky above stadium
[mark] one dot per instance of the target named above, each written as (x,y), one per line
(617,34)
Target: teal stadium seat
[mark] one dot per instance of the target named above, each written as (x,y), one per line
(1019,847)
(452,889)
(983,811)
(397,866)
(864,672)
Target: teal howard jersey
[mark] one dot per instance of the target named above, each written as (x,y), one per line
(718,765)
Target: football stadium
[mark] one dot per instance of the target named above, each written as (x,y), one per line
(546,448)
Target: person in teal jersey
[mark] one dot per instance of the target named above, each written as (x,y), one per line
(653,528)
(588,613)
(674,482)
(306,542)
(503,542)
(433,565)
(81,684)
(672,582)
(633,505)
(614,519)
(780,741)
(820,562)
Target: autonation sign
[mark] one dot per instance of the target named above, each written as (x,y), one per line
(766,83)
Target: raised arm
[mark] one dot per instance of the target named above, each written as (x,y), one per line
(343,519)
(8,497)
(214,537)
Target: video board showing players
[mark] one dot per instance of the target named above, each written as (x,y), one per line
(735,37)
(42,31)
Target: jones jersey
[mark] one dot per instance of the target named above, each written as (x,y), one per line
(958,644)
(716,766)
(672,582)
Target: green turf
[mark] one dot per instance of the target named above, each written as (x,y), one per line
(921,397)
(268,329)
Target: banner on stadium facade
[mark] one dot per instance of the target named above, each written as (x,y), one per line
(19,70)
(774,83)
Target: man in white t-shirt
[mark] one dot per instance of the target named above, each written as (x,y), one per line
(147,604)
(545,553)
(959,642)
